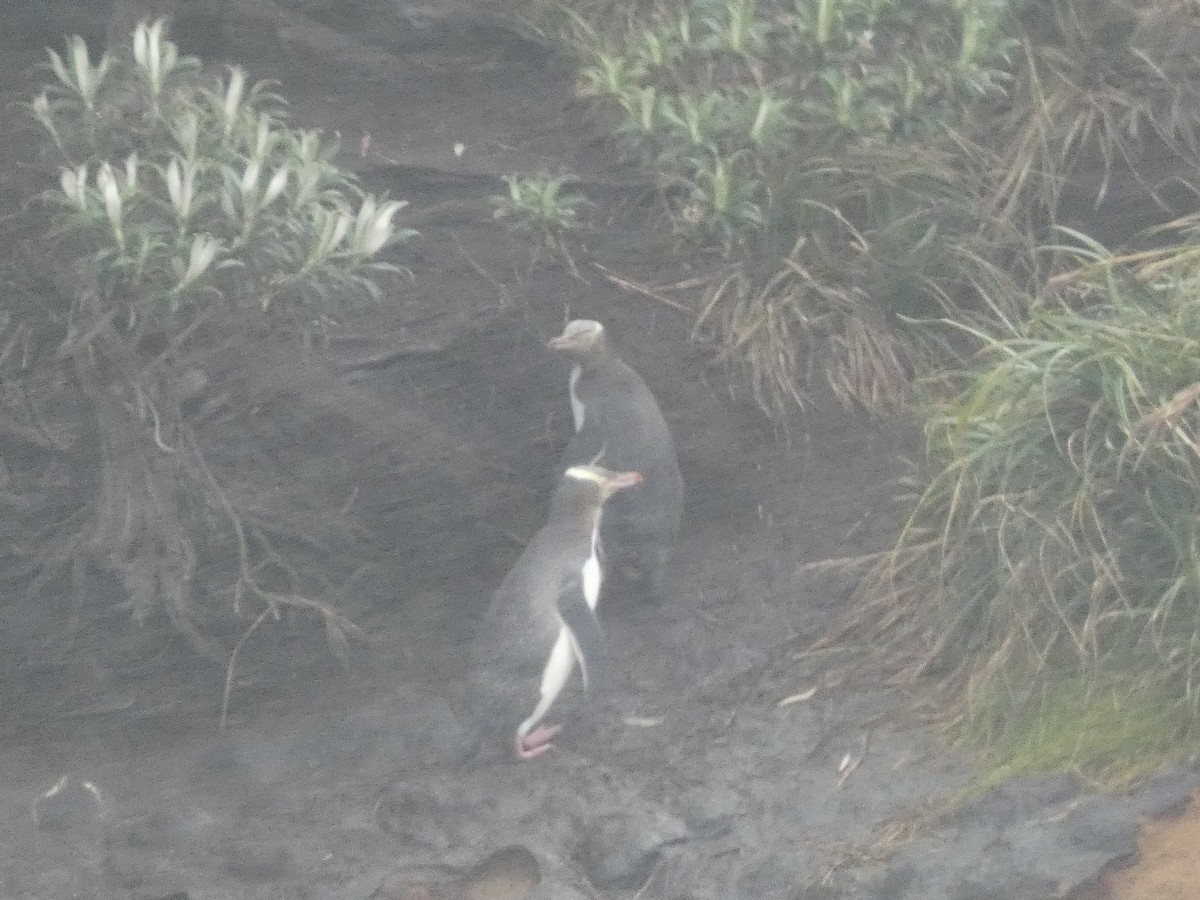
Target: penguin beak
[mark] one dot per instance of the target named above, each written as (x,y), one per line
(618,481)
(562,342)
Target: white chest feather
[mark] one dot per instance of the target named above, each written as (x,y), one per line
(554,678)
(576,403)
(565,652)
(591,579)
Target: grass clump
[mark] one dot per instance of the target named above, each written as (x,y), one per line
(1112,731)
(1099,104)
(543,208)
(1051,562)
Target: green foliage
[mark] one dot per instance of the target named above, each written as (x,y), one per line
(725,98)
(868,166)
(1115,729)
(1057,533)
(813,144)
(190,216)
(185,194)
(539,205)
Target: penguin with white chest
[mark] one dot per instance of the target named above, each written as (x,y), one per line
(616,416)
(542,620)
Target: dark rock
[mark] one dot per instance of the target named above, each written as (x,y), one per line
(1103,824)
(258,862)
(776,877)
(69,803)
(1164,794)
(620,852)
(1018,798)
(511,873)
(414,814)
(167,828)
(709,812)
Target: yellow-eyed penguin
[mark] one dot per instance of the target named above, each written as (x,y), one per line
(616,415)
(542,620)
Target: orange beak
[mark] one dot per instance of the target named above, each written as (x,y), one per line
(621,480)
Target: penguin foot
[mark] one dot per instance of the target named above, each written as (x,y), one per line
(537,742)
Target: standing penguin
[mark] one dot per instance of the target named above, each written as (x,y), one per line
(543,617)
(616,415)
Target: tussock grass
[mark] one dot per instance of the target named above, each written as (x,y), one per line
(1103,85)
(1055,533)
(887,252)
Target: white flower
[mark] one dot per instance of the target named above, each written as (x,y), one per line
(82,66)
(107,182)
(74,185)
(379,227)
(233,95)
(41,110)
(148,52)
(170,56)
(60,70)
(334,227)
(131,169)
(174,184)
(139,44)
(261,138)
(69,182)
(306,183)
(278,182)
(83,79)
(203,252)
(362,222)
(338,229)
(181,186)
(250,177)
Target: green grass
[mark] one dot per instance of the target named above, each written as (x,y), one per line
(1113,733)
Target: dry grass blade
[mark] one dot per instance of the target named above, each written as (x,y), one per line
(1074,105)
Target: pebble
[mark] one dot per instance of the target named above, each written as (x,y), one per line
(69,803)
(620,852)
(511,873)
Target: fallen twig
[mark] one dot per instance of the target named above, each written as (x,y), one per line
(652,293)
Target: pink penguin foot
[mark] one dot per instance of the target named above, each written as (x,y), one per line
(537,741)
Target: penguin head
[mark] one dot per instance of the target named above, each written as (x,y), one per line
(585,488)
(582,339)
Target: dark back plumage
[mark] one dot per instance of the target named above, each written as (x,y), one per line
(542,593)
(622,421)
(624,424)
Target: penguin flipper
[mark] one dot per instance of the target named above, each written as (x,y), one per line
(586,635)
